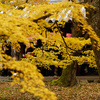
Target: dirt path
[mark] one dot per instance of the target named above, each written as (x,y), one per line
(46,79)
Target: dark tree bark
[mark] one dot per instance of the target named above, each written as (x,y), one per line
(26,1)
(94,20)
(68,77)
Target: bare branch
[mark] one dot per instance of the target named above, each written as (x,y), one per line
(43,17)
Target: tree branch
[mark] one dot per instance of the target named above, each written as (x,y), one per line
(26,1)
(43,17)
(63,39)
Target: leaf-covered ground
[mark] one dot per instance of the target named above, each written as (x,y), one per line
(82,91)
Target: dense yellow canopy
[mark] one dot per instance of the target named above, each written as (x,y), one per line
(19,20)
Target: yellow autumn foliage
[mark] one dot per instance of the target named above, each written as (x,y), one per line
(19,20)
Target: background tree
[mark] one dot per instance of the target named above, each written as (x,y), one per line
(94,21)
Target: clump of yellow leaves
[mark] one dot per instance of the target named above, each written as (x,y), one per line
(31,80)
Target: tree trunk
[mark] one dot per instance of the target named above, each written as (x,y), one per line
(68,77)
(94,20)
(97,57)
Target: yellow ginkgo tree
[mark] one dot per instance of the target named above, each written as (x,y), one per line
(20,19)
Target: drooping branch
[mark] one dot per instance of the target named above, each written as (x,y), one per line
(66,44)
(47,30)
(63,39)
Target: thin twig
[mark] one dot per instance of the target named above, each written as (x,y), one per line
(63,39)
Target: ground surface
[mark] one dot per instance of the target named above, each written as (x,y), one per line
(82,91)
(50,78)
